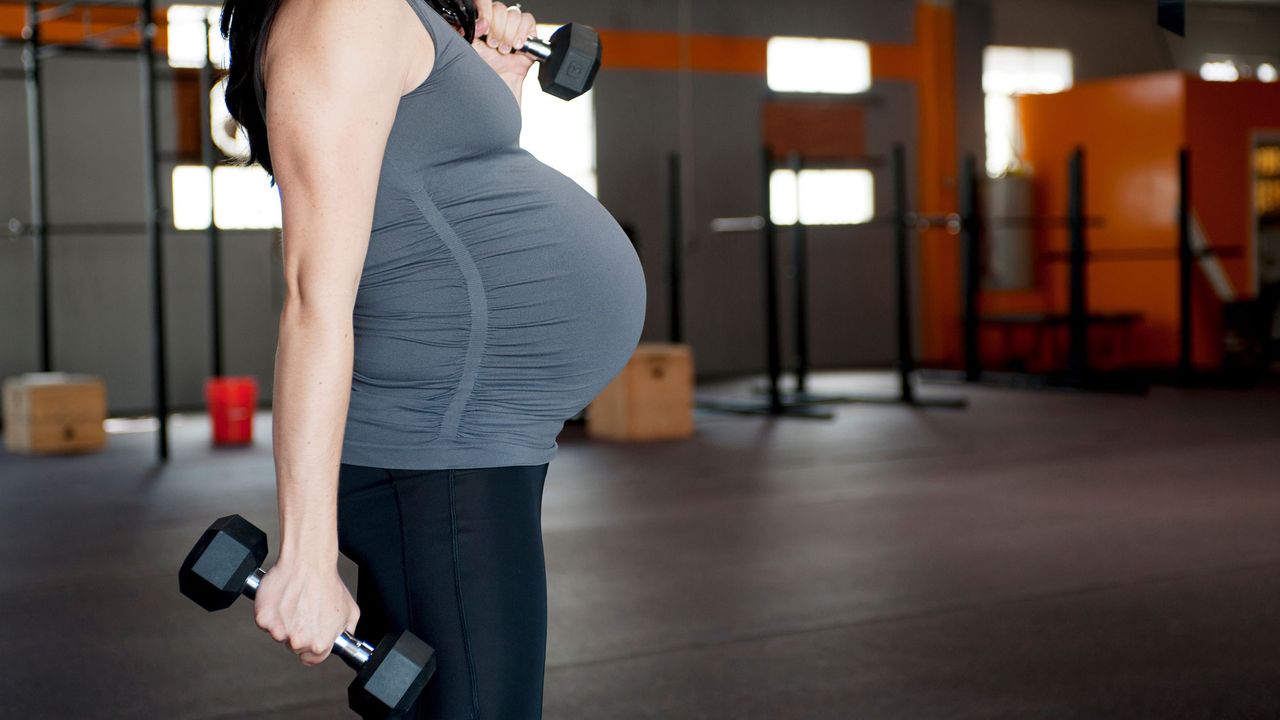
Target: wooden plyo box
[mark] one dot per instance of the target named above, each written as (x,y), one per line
(54,413)
(651,399)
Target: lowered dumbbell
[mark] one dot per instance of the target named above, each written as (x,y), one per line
(570,60)
(226,563)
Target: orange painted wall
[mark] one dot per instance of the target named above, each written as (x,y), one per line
(81,22)
(1222,191)
(1221,151)
(1131,130)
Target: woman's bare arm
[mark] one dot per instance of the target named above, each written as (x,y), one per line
(334,71)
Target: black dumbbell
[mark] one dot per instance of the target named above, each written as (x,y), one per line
(570,60)
(226,563)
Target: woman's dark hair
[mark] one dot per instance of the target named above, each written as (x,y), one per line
(246,25)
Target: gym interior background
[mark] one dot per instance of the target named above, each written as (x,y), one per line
(1089,206)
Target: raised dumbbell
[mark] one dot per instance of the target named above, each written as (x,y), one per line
(226,563)
(570,60)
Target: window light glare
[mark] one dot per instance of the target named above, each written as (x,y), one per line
(1021,70)
(560,134)
(1220,71)
(187,39)
(192,207)
(816,65)
(822,197)
(228,136)
(1267,73)
(244,198)
(1006,73)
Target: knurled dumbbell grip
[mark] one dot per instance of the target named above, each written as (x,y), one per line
(353,651)
(539,49)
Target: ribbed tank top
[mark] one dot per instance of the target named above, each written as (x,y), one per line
(498,297)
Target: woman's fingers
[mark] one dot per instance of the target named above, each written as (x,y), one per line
(484,17)
(527,29)
(498,25)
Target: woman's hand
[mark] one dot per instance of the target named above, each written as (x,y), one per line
(501,31)
(305,608)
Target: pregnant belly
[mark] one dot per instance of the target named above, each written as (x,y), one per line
(566,299)
(529,310)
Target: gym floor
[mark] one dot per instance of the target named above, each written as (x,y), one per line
(1040,555)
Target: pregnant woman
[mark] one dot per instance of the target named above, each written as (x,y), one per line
(451,302)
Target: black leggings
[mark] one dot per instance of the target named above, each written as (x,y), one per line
(456,557)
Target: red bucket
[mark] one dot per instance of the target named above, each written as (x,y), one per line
(232,401)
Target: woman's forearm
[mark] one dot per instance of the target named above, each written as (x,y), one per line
(312,391)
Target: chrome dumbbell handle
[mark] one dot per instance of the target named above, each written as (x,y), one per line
(539,49)
(353,651)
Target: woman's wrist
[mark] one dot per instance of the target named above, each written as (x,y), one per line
(309,555)
(309,545)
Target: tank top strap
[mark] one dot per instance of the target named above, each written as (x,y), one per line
(441,32)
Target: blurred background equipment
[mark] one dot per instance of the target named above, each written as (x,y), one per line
(54,413)
(984,297)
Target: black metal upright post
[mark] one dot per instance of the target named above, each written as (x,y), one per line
(777,405)
(209,154)
(1186,267)
(32,77)
(151,169)
(902,264)
(1078,322)
(800,266)
(971,241)
(773,335)
(675,249)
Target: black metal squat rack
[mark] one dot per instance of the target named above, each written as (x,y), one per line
(34,52)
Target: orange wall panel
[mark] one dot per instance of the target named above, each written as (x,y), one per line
(1131,130)
(1221,145)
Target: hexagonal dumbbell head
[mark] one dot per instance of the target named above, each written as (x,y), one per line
(571,70)
(215,571)
(394,676)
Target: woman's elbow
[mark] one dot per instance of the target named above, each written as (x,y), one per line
(311,303)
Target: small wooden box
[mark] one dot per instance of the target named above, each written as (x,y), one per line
(651,399)
(54,413)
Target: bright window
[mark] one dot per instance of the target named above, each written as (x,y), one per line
(559,133)
(1267,73)
(815,65)
(243,198)
(1220,71)
(1006,73)
(186,25)
(822,197)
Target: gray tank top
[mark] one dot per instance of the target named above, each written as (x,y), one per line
(498,297)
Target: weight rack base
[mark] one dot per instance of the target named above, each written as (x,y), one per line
(1109,383)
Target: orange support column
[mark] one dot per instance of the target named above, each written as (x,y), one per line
(939,253)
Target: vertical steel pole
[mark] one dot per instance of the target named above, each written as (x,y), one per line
(1078,322)
(902,265)
(772,331)
(800,262)
(971,241)
(209,154)
(675,248)
(1186,267)
(32,77)
(150,149)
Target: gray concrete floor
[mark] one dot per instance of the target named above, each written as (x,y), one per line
(1040,555)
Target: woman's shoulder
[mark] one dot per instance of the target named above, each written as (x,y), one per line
(338,38)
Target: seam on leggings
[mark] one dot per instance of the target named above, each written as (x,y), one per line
(462,615)
(404,564)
